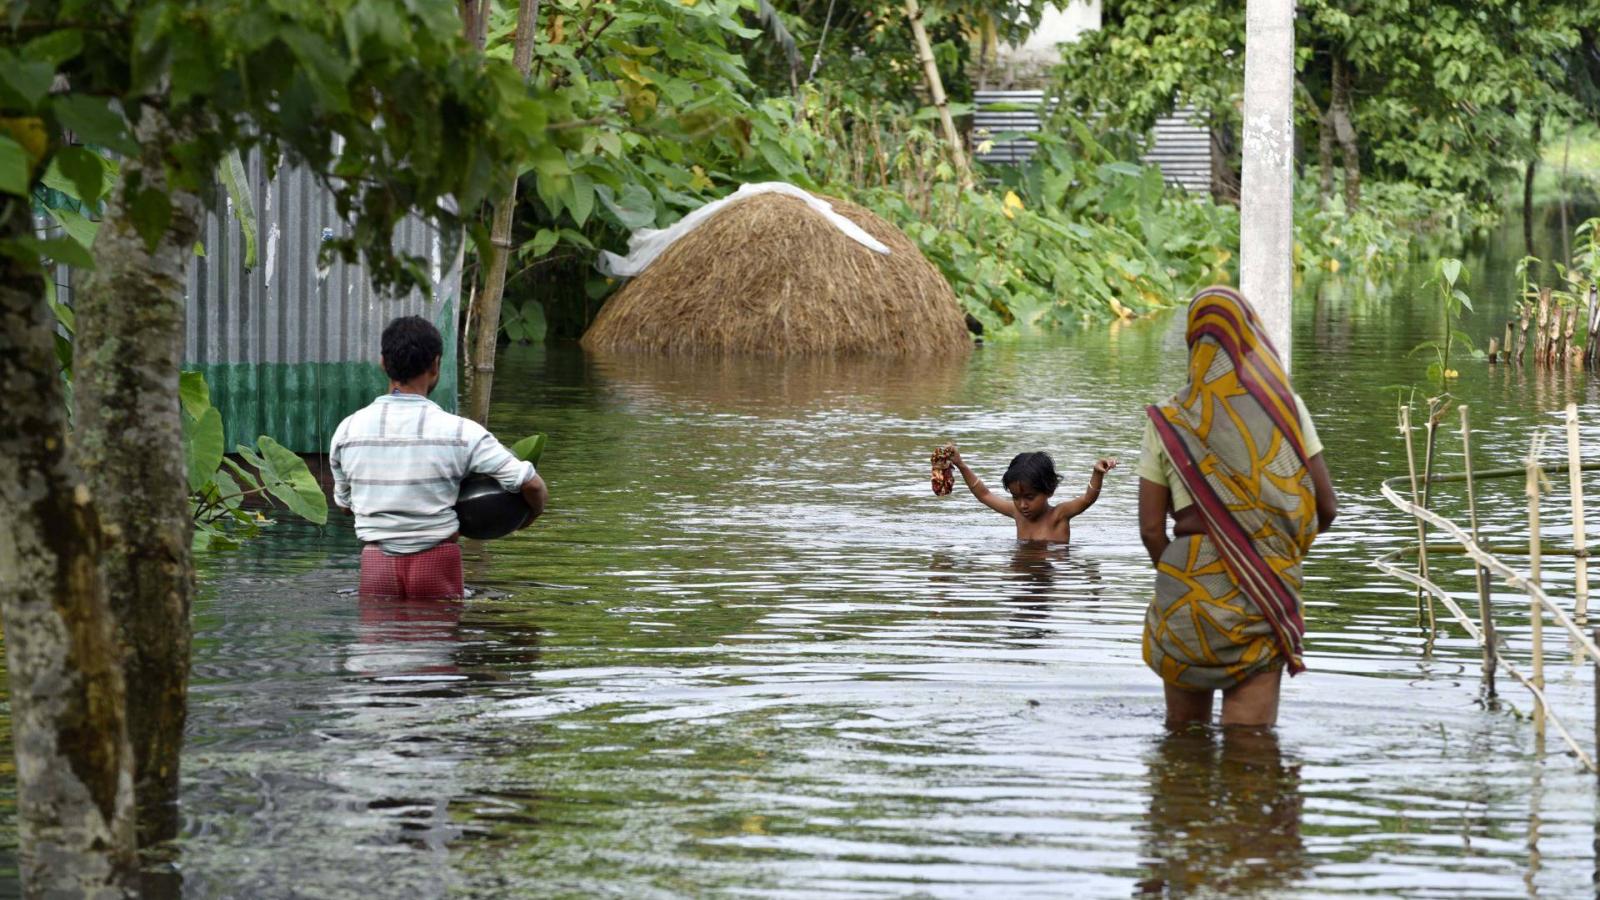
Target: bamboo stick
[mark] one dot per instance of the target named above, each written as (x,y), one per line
(1444,548)
(1505,345)
(1516,580)
(1536,617)
(1511,472)
(930,70)
(1416,498)
(1494,350)
(1485,613)
(1435,413)
(1580,543)
(1385,565)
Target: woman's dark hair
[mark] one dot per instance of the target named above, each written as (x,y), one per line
(410,345)
(1035,470)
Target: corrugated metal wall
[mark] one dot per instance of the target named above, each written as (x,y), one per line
(289,350)
(1180,148)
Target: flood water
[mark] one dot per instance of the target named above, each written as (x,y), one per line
(748,653)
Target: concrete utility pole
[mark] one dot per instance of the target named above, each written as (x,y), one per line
(1266,187)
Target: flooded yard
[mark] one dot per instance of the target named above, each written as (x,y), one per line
(748,653)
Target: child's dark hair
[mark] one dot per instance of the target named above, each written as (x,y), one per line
(410,345)
(1035,470)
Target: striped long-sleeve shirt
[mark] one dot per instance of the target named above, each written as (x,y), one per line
(398,464)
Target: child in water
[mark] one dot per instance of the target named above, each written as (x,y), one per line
(1030,480)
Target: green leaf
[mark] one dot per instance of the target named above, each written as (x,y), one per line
(636,208)
(194,393)
(582,202)
(542,243)
(54,47)
(237,183)
(63,250)
(78,172)
(28,80)
(286,477)
(94,122)
(529,449)
(1450,269)
(80,229)
(202,446)
(1462,298)
(151,211)
(14,170)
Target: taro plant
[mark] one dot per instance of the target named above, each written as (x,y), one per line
(220,486)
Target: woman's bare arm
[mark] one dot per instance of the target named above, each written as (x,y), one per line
(1153,500)
(1327,501)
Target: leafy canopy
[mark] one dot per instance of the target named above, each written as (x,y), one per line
(384,99)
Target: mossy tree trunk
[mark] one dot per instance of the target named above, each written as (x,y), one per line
(75,808)
(129,441)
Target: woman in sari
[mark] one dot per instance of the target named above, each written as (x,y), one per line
(1234,460)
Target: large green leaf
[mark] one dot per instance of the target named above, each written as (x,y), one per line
(194,393)
(529,449)
(13,167)
(286,477)
(202,446)
(237,183)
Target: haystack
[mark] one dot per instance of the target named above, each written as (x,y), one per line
(767,275)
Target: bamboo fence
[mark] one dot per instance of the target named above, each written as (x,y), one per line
(1490,563)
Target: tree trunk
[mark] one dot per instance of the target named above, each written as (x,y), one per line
(75,810)
(1527,189)
(930,70)
(1324,158)
(483,320)
(1224,175)
(129,442)
(1344,129)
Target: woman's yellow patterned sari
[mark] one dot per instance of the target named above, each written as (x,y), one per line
(1228,602)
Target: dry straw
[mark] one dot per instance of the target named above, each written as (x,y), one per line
(768,276)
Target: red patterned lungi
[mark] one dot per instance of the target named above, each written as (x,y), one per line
(433,574)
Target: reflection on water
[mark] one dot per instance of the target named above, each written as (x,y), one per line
(1225,815)
(747,652)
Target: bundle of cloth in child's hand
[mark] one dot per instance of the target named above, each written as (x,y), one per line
(944,478)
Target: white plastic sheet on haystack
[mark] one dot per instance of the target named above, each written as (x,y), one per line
(649,243)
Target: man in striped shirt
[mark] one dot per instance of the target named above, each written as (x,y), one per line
(398,464)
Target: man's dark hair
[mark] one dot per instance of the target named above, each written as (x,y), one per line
(1035,470)
(410,345)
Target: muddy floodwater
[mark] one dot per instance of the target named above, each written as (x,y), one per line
(748,653)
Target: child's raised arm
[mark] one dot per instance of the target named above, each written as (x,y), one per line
(1073,507)
(981,490)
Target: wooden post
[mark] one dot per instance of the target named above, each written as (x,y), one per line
(1505,345)
(1494,350)
(1592,339)
(1541,334)
(1524,311)
(1485,613)
(930,71)
(1536,612)
(1569,333)
(1416,498)
(1580,543)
